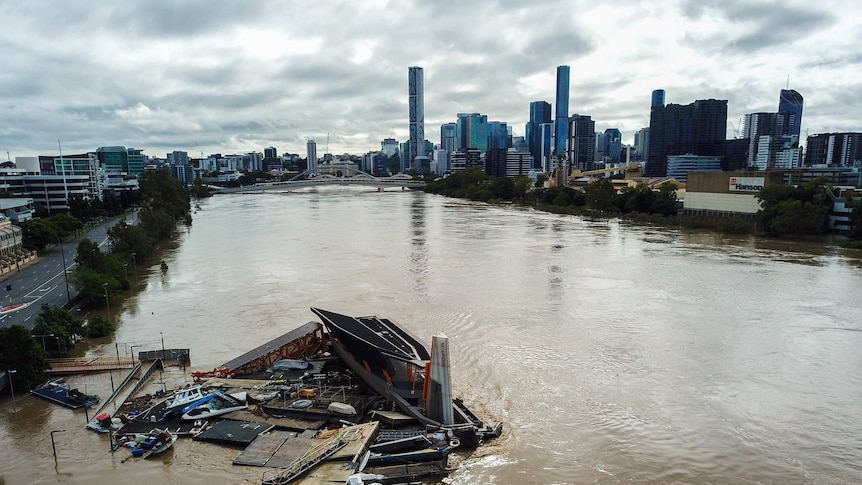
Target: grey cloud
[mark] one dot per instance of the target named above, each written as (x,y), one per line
(160,18)
(774,24)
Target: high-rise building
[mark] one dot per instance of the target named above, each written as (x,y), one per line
(311,155)
(472,132)
(778,151)
(416,105)
(790,103)
(540,112)
(641,143)
(582,142)
(389,146)
(834,149)
(118,159)
(270,152)
(507,163)
(756,125)
(449,137)
(499,135)
(178,158)
(657,100)
(561,131)
(546,147)
(698,128)
(613,143)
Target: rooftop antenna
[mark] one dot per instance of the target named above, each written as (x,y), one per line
(8,158)
(788,81)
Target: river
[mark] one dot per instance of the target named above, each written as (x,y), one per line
(612,353)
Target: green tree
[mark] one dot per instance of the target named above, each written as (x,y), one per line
(127,239)
(600,195)
(855,230)
(21,352)
(522,185)
(199,189)
(38,233)
(665,200)
(59,322)
(90,256)
(67,224)
(393,164)
(98,326)
(799,210)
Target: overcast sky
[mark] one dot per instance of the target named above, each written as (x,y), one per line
(210,76)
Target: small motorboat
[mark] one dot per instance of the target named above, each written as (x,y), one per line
(153,443)
(57,391)
(219,404)
(182,398)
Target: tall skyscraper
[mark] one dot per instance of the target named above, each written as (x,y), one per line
(790,102)
(546,147)
(698,128)
(270,152)
(641,144)
(311,155)
(416,102)
(449,137)
(389,146)
(657,98)
(756,125)
(582,142)
(472,132)
(540,112)
(613,144)
(561,122)
(499,135)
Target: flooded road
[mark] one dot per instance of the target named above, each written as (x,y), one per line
(612,353)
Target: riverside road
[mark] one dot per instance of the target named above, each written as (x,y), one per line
(42,282)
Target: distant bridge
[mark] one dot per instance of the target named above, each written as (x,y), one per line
(367,181)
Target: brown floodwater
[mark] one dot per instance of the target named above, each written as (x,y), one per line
(612,353)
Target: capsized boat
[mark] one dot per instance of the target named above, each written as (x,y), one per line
(396,365)
(216,405)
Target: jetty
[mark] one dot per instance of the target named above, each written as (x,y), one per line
(309,415)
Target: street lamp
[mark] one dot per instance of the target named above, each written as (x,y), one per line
(135,262)
(53,446)
(107,302)
(126,270)
(43,341)
(12,389)
(65,273)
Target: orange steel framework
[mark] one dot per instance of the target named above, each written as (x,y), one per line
(306,345)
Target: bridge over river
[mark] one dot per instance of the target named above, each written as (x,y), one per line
(381,183)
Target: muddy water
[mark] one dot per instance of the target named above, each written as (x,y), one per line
(612,353)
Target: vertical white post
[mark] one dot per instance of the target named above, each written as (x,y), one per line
(441,374)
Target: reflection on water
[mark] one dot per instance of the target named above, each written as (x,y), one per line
(614,353)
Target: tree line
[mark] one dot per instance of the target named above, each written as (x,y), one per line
(98,275)
(786,210)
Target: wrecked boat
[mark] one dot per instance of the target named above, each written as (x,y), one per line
(396,365)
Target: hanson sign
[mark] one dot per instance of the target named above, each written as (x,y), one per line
(746,184)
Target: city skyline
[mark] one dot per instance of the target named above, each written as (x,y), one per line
(232,78)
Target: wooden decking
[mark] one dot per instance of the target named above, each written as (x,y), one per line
(84,365)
